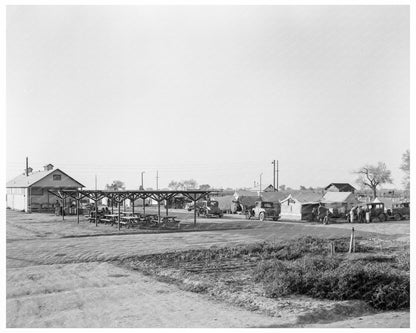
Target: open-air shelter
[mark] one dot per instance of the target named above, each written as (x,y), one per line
(120,196)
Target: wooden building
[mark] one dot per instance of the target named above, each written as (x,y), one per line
(29,192)
(340,187)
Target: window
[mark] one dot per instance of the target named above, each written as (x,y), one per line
(36,191)
(56,177)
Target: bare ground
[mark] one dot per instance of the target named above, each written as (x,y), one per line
(59,274)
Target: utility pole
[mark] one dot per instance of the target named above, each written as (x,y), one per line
(27,166)
(260,184)
(142,188)
(274,175)
(277,175)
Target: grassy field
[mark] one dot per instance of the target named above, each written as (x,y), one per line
(65,274)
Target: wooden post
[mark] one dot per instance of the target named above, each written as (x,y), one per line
(351,241)
(194,213)
(119,204)
(63,208)
(78,211)
(132,205)
(96,212)
(332,248)
(144,206)
(158,210)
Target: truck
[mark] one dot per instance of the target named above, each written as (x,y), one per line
(209,208)
(399,211)
(264,210)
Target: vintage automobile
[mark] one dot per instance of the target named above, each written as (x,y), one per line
(376,210)
(264,210)
(209,209)
(400,211)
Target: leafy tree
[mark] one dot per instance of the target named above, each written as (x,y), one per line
(282,187)
(373,176)
(190,184)
(116,185)
(405,167)
(204,187)
(183,185)
(174,185)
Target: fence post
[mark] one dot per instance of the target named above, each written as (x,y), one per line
(352,241)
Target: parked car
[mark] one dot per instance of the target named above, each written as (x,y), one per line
(209,209)
(264,210)
(377,211)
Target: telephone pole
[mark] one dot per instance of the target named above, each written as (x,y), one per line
(277,175)
(274,175)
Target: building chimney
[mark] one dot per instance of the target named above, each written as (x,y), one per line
(48,167)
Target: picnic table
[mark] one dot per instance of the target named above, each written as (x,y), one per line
(169,222)
(128,220)
(110,218)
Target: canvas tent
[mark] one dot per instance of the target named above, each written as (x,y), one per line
(298,206)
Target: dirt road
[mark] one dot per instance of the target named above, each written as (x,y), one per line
(54,280)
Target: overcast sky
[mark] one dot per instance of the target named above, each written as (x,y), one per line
(209,93)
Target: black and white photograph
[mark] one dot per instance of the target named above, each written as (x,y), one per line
(207,165)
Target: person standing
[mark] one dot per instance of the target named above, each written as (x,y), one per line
(367,215)
(359,216)
(57,207)
(313,217)
(352,215)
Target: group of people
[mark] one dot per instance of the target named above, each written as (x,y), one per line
(320,214)
(356,214)
(359,214)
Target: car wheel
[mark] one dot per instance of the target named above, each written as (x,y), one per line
(261,216)
(382,217)
(397,217)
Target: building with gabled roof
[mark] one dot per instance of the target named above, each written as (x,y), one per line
(298,206)
(342,201)
(340,187)
(29,192)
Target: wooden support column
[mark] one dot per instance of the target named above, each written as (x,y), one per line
(194,213)
(132,205)
(63,208)
(166,207)
(96,212)
(158,210)
(144,206)
(78,210)
(119,214)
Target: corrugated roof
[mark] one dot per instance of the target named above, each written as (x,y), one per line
(336,196)
(27,181)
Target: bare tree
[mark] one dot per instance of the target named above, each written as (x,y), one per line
(373,176)
(405,167)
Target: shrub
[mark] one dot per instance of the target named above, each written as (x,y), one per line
(378,284)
